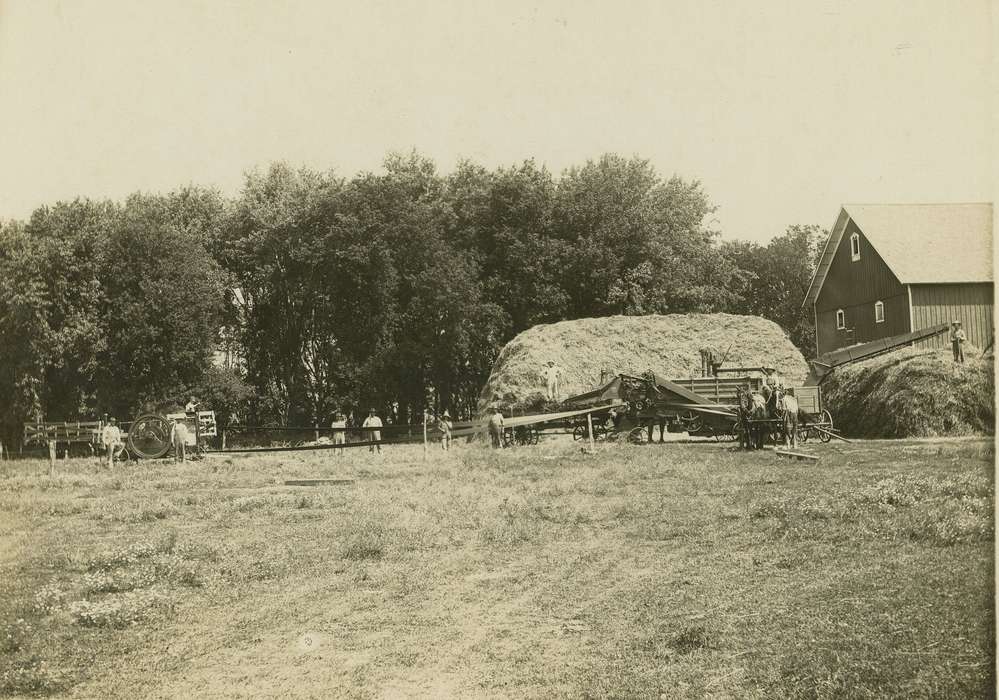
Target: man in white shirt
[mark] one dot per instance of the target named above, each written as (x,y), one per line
(178,438)
(192,406)
(496,426)
(111,437)
(445,426)
(373,421)
(339,426)
(552,375)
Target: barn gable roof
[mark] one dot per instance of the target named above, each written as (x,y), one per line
(920,243)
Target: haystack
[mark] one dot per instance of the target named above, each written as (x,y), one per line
(668,345)
(913,393)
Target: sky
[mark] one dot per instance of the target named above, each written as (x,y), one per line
(783,110)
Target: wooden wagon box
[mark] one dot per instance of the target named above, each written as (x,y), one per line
(809,398)
(62,431)
(721,390)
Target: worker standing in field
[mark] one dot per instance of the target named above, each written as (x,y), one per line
(111,437)
(375,436)
(178,438)
(445,425)
(553,375)
(496,427)
(339,426)
(957,339)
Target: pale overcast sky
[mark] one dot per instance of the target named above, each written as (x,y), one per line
(784,110)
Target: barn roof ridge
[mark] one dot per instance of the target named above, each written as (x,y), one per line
(907,237)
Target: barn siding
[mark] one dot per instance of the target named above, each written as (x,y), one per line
(971,304)
(855,287)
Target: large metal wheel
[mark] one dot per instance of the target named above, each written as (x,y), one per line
(692,421)
(636,436)
(149,436)
(827,424)
(579,432)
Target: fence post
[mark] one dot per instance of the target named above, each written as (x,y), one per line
(315,428)
(589,429)
(223,439)
(52,457)
(424,435)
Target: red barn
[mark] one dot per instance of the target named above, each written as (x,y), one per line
(889,269)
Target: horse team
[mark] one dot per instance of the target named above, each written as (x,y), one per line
(775,412)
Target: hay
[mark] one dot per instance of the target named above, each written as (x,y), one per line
(913,393)
(668,345)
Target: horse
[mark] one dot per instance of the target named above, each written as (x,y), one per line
(784,407)
(752,407)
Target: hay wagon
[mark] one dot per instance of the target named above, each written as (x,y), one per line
(817,421)
(814,421)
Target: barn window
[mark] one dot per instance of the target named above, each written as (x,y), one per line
(855,247)
(840,319)
(879,312)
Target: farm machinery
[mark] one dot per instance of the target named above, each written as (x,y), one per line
(146,437)
(699,406)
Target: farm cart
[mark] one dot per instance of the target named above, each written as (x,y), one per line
(149,434)
(815,421)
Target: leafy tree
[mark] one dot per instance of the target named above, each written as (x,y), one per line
(640,245)
(162,301)
(777,280)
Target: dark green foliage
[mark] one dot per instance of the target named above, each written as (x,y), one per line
(394,290)
(775,279)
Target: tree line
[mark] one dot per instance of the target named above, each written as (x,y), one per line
(395,290)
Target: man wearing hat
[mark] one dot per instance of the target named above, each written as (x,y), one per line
(178,438)
(957,338)
(111,436)
(496,426)
(375,436)
(445,425)
(339,426)
(552,374)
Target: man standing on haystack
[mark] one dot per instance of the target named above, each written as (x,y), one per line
(957,338)
(553,374)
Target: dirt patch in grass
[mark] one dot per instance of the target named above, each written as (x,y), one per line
(668,345)
(913,393)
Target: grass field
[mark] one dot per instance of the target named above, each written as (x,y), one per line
(640,571)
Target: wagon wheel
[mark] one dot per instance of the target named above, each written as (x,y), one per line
(535,435)
(692,420)
(636,436)
(149,436)
(827,424)
(729,433)
(509,438)
(579,432)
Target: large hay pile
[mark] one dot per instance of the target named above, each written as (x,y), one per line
(912,393)
(668,345)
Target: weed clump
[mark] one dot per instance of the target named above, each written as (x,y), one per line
(118,611)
